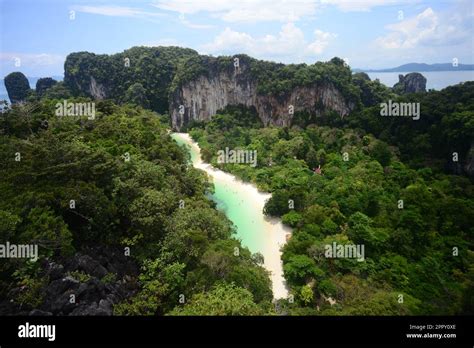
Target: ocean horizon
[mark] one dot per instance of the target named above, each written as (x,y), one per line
(436,80)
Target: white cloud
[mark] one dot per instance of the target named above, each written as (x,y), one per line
(112,11)
(268,10)
(364,5)
(322,40)
(231,39)
(30,59)
(243,10)
(426,29)
(290,42)
(31,64)
(191,25)
(121,11)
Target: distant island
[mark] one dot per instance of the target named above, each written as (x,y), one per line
(422,67)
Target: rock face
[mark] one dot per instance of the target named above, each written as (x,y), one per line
(91,88)
(94,294)
(171,77)
(97,90)
(201,98)
(410,83)
(469,165)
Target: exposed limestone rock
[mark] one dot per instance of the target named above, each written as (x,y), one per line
(97,90)
(94,295)
(205,95)
(410,83)
(469,165)
(170,77)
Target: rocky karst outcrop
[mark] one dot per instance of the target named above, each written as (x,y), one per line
(98,278)
(17,86)
(103,76)
(201,98)
(170,77)
(97,90)
(410,83)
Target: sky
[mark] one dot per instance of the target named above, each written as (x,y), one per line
(37,35)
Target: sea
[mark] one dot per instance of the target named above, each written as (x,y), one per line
(436,80)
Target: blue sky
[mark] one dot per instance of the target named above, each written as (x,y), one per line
(37,35)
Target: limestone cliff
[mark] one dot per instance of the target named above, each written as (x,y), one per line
(201,98)
(469,163)
(410,83)
(194,87)
(97,90)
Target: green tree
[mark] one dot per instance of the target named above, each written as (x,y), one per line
(136,94)
(299,269)
(222,299)
(57,91)
(381,152)
(48,231)
(312,158)
(43,84)
(307,294)
(8,225)
(278,204)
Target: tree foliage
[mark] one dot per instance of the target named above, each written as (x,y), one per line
(408,214)
(117,181)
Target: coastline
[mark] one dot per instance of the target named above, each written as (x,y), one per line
(273,233)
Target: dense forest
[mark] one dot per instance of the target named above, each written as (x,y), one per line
(345,180)
(71,184)
(125,223)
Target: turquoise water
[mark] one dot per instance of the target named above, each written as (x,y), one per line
(235,200)
(247,220)
(243,205)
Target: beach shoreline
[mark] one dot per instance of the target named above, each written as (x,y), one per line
(273,233)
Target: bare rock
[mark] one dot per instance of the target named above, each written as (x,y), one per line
(410,83)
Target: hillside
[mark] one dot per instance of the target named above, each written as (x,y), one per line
(193,87)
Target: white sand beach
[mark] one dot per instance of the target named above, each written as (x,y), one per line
(274,233)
